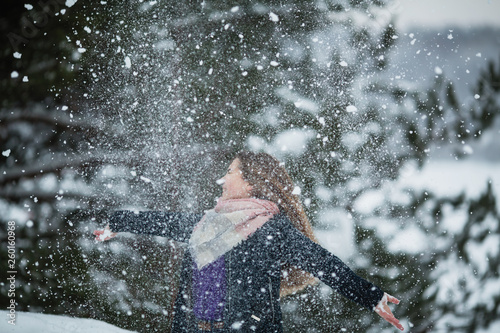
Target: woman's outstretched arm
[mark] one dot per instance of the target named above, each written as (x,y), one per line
(176,226)
(301,252)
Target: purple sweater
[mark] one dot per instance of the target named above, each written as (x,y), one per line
(209,289)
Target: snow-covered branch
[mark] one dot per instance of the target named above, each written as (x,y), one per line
(40,196)
(58,164)
(52,118)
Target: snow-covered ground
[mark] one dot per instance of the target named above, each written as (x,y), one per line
(28,322)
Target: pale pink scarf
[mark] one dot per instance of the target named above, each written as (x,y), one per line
(228,224)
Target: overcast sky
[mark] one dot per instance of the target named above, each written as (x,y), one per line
(446,13)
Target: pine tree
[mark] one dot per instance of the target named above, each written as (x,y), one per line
(448,286)
(41,134)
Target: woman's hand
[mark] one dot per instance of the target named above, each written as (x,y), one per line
(383,310)
(103,235)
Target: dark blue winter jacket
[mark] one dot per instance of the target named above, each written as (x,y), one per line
(253,269)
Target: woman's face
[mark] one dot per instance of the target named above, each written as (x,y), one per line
(233,184)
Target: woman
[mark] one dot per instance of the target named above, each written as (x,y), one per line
(253,247)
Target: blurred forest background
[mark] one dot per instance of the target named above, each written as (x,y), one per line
(142,104)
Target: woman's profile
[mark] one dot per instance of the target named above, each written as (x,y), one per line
(255,246)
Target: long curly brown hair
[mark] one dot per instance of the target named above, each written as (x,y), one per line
(270,181)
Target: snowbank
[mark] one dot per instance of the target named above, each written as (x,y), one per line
(29,322)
